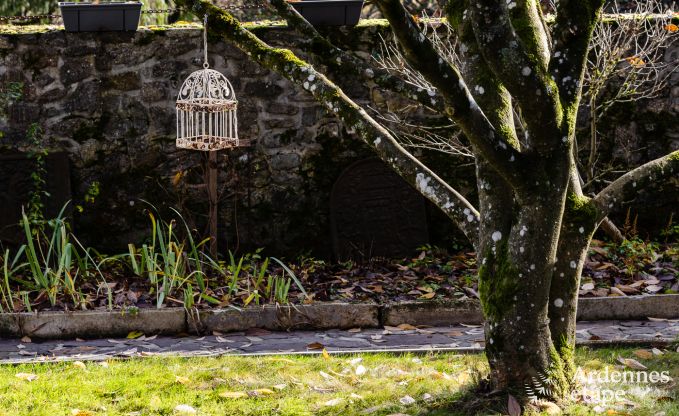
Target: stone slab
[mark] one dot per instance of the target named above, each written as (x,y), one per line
(92,324)
(315,316)
(628,307)
(432,313)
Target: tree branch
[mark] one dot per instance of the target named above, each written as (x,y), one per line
(343,62)
(628,184)
(462,108)
(575,20)
(523,73)
(355,119)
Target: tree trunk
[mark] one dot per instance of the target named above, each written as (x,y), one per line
(514,286)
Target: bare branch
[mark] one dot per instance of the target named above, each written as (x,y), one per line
(344,62)
(423,57)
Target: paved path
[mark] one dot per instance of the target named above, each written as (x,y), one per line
(257,341)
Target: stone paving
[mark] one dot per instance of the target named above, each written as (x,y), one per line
(463,338)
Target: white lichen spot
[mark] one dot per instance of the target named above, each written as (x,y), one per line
(369,72)
(582,230)
(557,54)
(532,267)
(431,93)
(470,218)
(306,85)
(573,264)
(558,302)
(525,71)
(466,211)
(311,77)
(523,230)
(491,341)
(564,139)
(511,158)
(377,141)
(496,236)
(422,183)
(634,184)
(521,249)
(479,89)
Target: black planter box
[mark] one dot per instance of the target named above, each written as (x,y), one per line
(330,12)
(101,17)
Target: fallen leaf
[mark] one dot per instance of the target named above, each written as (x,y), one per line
(671,27)
(354,330)
(185,409)
(78,412)
(181,380)
(513,406)
(26,376)
(632,363)
(333,402)
(279,386)
(134,335)
(406,327)
(26,339)
(407,400)
(233,394)
(617,292)
(654,288)
(325,354)
(222,339)
(586,286)
(643,354)
(260,392)
(429,295)
(656,351)
(548,407)
(315,346)
(81,365)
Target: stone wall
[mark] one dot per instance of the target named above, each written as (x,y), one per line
(107,100)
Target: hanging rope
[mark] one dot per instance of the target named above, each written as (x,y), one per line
(206,64)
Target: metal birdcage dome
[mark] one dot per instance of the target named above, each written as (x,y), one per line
(206,112)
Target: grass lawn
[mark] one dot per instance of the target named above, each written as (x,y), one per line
(349,385)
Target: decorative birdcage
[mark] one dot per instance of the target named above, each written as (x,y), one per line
(206,110)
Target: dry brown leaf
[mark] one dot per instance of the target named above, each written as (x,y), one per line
(632,363)
(643,354)
(548,407)
(26,339)
(26,376)
(617,292)
(587,286)
(315,346)
(407,327)
(181,380)
(233,394)
(354,330)
(429,295)
(260,392)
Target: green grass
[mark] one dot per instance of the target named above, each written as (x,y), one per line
(307,385)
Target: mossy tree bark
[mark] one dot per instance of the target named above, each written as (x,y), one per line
(534,225)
